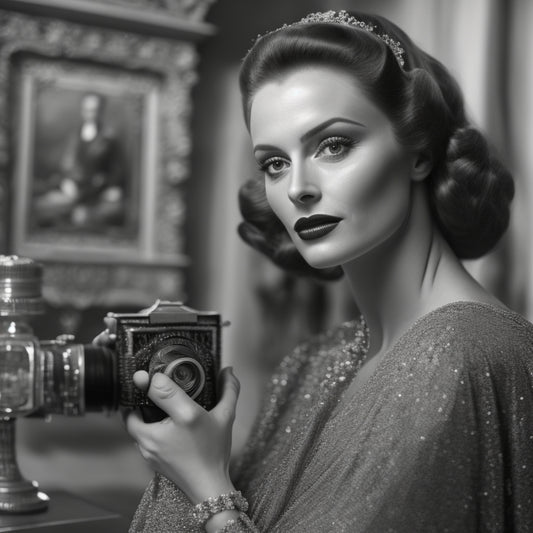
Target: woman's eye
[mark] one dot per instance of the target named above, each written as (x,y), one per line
(273,166)
(334,146)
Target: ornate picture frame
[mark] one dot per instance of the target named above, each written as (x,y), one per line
(81,193)
(144,78)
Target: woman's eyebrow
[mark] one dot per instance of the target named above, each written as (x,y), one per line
(264,148)
(311,132)
(327,123)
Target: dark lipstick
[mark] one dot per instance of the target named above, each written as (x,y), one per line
(315,226)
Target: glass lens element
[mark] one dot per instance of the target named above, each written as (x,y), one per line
(16,365)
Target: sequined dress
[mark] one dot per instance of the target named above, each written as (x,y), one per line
(438,440)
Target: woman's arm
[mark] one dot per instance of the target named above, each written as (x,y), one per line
(192,446)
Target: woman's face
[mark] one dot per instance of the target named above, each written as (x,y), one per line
(335,175)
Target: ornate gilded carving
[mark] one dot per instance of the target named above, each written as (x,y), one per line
(192,9)
(173,64)
(83,286)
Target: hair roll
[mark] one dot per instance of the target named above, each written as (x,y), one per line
(472,197)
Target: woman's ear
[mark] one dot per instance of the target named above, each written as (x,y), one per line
(422,165)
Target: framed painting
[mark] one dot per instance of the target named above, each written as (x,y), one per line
(85,168)
(95,144)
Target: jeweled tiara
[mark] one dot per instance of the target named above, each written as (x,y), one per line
(343,17)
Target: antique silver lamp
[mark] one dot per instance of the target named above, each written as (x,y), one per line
(20,387)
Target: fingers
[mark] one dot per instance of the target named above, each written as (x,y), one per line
(141,380)
(111,323)
(171,398)
(227,404)
(178,405)
(107,337)
(137,428)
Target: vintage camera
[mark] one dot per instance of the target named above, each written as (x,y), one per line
(41,378)
(169,337)
(62,376)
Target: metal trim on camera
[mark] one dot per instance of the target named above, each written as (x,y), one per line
(167,331)
(63,376)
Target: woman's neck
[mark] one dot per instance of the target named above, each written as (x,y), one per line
(408,276)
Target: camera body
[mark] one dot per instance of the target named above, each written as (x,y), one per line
(41,378)
(174,339)
(69,378)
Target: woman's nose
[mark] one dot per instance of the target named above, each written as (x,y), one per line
(302,189)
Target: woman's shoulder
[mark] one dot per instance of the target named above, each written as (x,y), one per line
(454,362)
(473,319)
(471,332)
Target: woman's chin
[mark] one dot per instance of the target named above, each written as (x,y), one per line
(324,260)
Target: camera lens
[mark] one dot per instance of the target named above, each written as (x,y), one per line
(188,374)
(78,378)
(177,361)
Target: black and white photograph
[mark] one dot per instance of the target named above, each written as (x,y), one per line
(266,266)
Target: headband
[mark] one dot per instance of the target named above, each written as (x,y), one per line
(343,17)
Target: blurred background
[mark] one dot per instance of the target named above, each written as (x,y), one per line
(194,155)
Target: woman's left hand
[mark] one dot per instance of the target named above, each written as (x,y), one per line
(192,446)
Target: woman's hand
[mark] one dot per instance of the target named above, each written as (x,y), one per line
(192,446)
(108,337)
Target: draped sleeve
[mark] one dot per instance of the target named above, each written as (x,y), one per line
(440,438)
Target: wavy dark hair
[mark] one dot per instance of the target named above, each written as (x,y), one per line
(470,191)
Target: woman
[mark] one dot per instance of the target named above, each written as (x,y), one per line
(417,417)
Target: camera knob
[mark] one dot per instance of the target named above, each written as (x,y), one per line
(20,286)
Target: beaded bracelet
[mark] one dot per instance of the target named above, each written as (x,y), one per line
(243,523)
(225,502)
